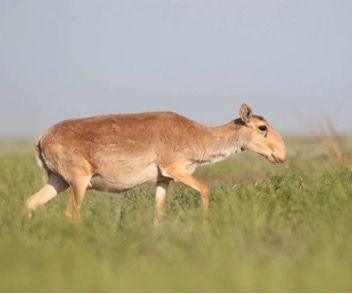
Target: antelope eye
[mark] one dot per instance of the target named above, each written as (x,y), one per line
(262,128)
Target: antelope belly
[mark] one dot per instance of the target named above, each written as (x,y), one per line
(119,181)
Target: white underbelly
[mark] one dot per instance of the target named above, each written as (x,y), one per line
(119,181)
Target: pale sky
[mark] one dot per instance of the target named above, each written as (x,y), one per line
(290,60)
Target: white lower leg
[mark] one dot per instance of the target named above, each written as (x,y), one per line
(55,185)
(160,196)
(44,195)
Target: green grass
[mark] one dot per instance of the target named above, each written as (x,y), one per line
(272,228)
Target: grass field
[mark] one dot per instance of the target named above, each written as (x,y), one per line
(272,228)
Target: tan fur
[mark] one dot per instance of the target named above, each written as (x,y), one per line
(119,152)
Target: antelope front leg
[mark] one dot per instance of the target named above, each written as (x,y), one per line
(178,172)
(160,195)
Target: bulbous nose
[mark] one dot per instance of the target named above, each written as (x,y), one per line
(279,156)
(276,159)
(281,159)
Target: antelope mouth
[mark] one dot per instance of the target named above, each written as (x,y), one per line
(275,159)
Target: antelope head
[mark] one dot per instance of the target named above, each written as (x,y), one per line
(258,136)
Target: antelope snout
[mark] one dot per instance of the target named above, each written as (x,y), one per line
(279,156)
(277,159)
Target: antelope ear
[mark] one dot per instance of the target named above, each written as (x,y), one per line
(245,113)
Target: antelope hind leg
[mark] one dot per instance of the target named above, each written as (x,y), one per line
(55,185)
(78,188)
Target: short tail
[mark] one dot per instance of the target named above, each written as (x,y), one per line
(39,152)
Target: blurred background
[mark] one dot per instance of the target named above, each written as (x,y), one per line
(289,60)
(273,228)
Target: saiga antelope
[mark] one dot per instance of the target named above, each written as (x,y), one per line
(119,152)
